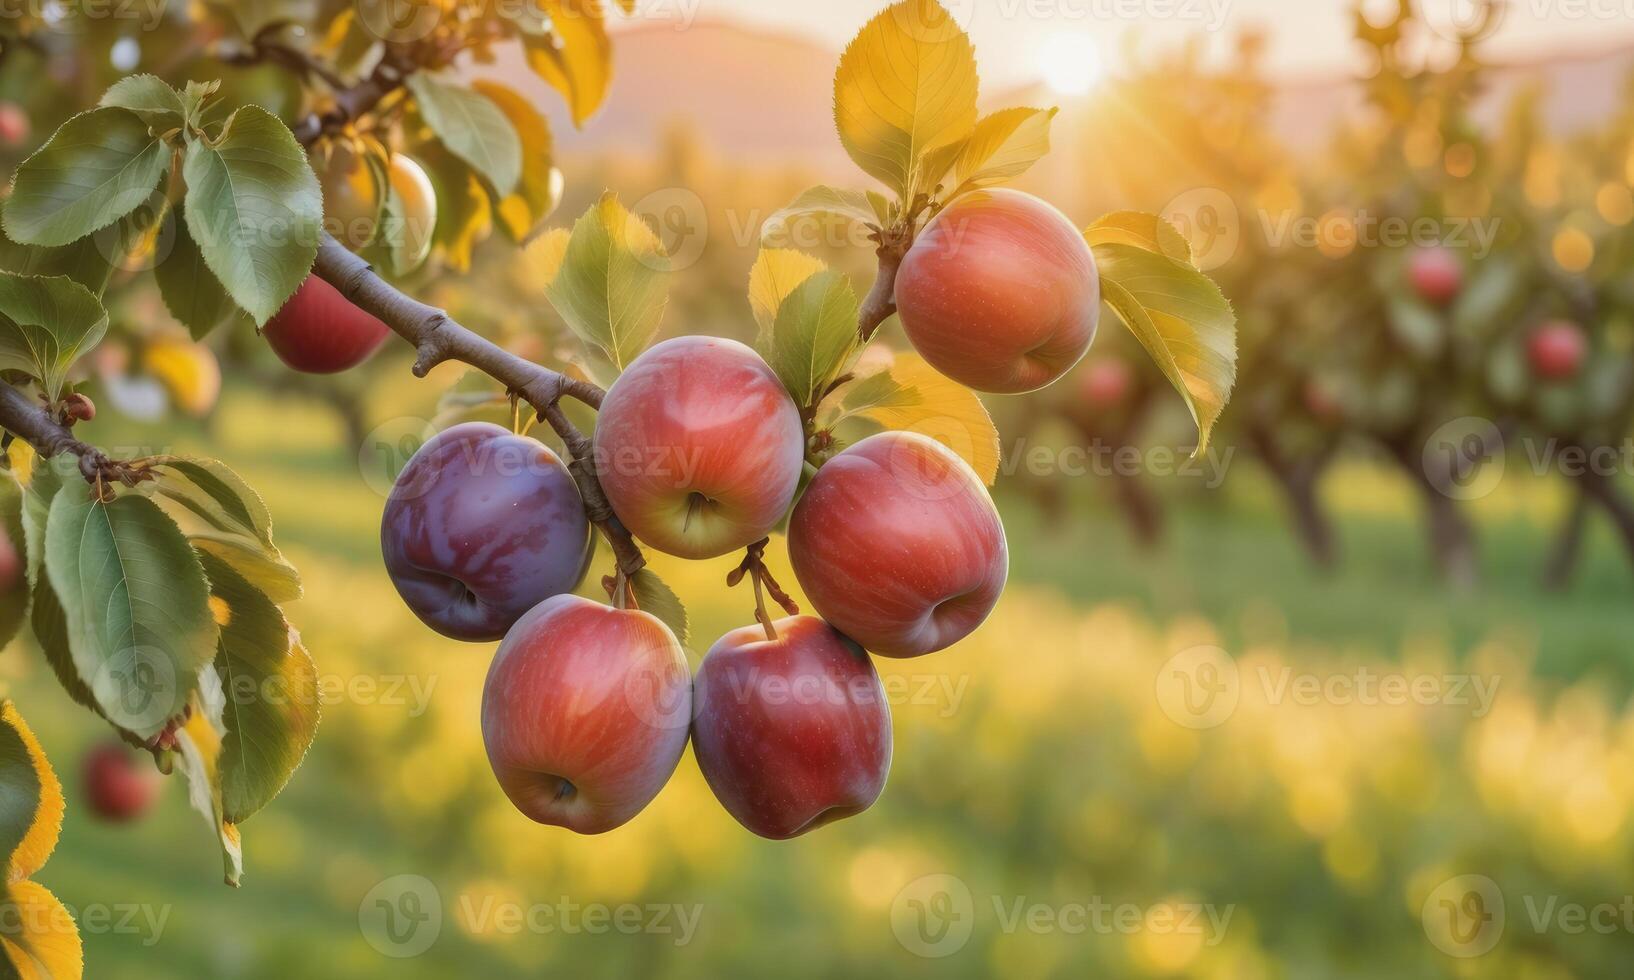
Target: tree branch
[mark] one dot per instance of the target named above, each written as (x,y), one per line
(34,423)
(438,337)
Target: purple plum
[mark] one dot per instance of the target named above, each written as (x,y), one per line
(481,526)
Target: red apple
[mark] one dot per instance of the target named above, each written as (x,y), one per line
(11,563)
(585,713)
(14,124)
(897,544)
(1106,383)
(319,331)
(1321,401)
(119,785)
(1557,350)
(1436,274)
(791,733)
(699,447)
(999,292)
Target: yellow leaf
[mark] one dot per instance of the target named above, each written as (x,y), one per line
(199,743)
(41,941)
(906,85)
(188,371)
(1002,147)
(777,272)
(1182,320)
(576,58)
(944,410)
(1145,231)
(540,188)
(21,456)
(36,836)
(538,264)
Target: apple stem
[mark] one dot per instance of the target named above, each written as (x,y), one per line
(754,566)
(516,411)
(761,615)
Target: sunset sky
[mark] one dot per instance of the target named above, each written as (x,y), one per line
(1026,40)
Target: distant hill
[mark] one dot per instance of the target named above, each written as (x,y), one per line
(765,99)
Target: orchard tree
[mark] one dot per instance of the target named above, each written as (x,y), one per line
(154,587)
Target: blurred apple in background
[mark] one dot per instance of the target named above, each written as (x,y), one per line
(120,785)
(14,125)
(1557,350)
(1436,274)
(1106,383)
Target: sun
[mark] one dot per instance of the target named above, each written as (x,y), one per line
(1070,63)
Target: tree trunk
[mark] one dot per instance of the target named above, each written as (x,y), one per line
(1141,509)
(1298,483)
(1568,549)
(1452,537)
(1600,488)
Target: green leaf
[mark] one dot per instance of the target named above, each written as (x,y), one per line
(151,98)
(46,324)
(906,85)
(472,127)
(814,335)
(777,272)
(93,171)
(46,618)
(1182,320)
(192,293)
(223,517)
(576,58)
(270,689)
(266,569)
(90,261)
(255,210)
(1145,231)
(653,596)
(1003,146)
(1416,327)
(880,390)
(539,189)
(818,202)
(255,16)
(611,288)
(13,603)
(135,601)
(216,494)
